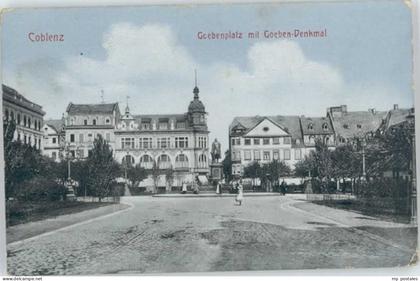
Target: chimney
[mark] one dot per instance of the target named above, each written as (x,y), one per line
(396,106)
(344,108)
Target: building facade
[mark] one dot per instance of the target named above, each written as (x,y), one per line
(166,141)
(27,115)
(54,139)
(290,138)
(84,122)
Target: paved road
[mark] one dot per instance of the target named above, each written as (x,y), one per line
(212,234)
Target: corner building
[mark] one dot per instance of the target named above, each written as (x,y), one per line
(169,141)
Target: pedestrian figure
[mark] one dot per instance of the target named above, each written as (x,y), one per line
(283,187)
(218,189)
(196,186)
(240,197)
(184,187)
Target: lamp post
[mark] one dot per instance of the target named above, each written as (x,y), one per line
(413,189)
(125,170)
(363,142)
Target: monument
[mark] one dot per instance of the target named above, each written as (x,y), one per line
(216,168)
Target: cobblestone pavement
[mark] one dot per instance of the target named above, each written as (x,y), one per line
(212,234)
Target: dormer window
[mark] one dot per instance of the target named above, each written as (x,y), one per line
(163,126)
(345,126)
(359,126)
(325,127)
(180,125)
(310,126)
(107,120)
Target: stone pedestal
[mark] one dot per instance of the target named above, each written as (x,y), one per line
(216,171)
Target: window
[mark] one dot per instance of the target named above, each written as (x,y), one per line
(247,141)
(94,122)
(181,142)
(276,155)
(180,125)
(310,126)
(145,125)
(266,129)
(107,121)
(325,127)
(164,162)
(24,139)
(146,162)
(202,161)
(54,140)
(257,155)
(256,142)
(298,154)
(202,142)
(345,126)
(236,141)
(247,154)
(81,137)
(181,161)
(128,160)
(85,122)
(29,122)
(24,120)
(266,155)
(6,115)
(163,142)
(359,126)
(287,140)
(287,154)
(266,141)
(71,137)
(127,143)
(276,140)
(18,118)
(163,126)
(145,143)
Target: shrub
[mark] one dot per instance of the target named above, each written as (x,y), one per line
(39,188)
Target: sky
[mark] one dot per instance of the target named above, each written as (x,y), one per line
(149,53)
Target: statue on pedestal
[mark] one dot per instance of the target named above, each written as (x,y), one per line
(215,151)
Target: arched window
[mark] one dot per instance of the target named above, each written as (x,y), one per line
(164,162)
(107,120)
(12,115)
(146,161)
(181,161)
(18,118)
(202,161)
(24,120)
(6,115)
(325,127)
(128,160)
(29,122)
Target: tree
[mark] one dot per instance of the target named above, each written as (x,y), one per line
(22,162)
(102,168)
(306,167)
(253,171)
(136,174)
(274,170)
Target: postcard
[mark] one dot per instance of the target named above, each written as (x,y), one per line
(208,138)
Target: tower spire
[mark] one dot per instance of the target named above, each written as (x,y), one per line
(127,109)
(196,90)
(102,96)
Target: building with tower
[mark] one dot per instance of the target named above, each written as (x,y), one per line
(177,142)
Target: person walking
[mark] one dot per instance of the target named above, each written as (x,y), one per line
(240,197)
(283,187)
(184,187)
